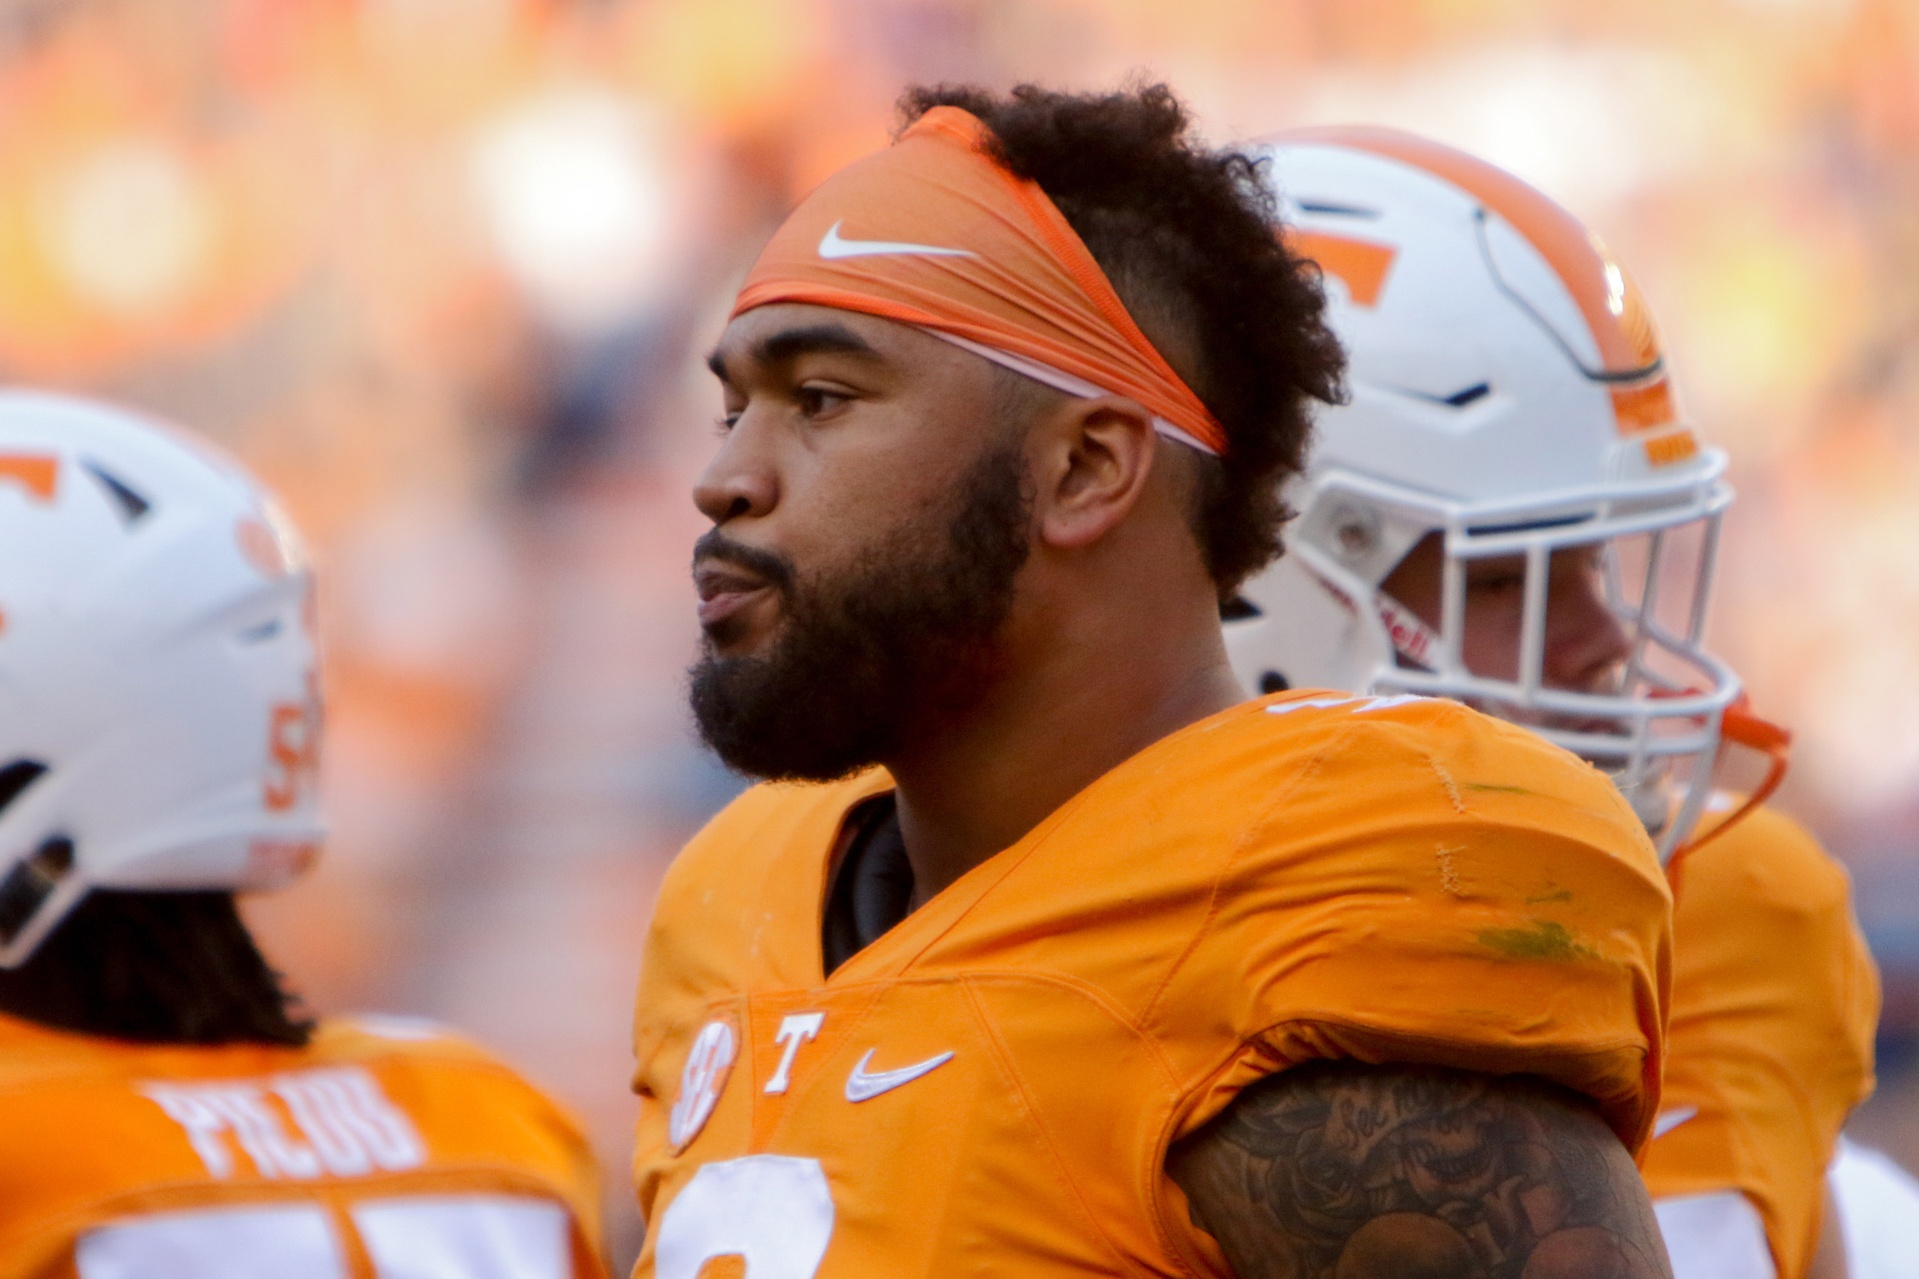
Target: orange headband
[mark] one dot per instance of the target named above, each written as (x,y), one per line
(935,233)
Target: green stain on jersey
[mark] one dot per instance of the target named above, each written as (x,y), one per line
(1543,940)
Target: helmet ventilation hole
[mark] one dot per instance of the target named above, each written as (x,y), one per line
(260,632)
(1274,682)
(132,505)
(1329,208)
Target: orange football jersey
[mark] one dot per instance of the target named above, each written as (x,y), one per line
(377,1150)
(1769,1046)
(991,1087)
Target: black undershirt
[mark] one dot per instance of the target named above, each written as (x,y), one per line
(873,887)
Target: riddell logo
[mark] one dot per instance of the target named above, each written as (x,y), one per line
(1410,636)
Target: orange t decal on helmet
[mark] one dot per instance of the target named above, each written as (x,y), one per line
(934,232)
(1361,264)
(36,473)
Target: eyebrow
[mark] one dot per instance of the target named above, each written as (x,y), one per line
(807,339)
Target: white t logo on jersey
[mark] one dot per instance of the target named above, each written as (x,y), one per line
(303,1124)
(795,1029)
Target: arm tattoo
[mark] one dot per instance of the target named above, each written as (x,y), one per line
(1347,1171)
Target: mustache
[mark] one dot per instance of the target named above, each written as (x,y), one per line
(776,569)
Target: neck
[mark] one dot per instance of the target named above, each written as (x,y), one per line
(978,785)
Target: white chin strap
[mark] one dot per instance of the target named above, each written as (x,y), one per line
(1047,375)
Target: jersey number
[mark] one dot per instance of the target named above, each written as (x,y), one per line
(772,1211)
(407,1237)
(293,751)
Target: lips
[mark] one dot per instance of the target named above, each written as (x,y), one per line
(725,589)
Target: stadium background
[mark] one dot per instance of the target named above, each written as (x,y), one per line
(440,270)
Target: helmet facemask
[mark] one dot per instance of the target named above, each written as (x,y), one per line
(1650,719)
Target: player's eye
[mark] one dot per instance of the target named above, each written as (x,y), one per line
(815,401)
(1500,581)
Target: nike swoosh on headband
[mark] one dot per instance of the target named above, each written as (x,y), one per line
(832,246)
(861,1086)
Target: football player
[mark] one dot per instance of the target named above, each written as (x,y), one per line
(1042,952)
(1511,512)
(165,1112)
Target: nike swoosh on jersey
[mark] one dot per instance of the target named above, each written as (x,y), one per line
(1671,1119)
(861,1086)
(832,246)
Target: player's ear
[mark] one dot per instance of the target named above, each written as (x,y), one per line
(1090,462)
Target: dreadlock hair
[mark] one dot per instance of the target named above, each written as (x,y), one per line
(162,967)
(1188,238)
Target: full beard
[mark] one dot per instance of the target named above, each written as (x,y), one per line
(875,657)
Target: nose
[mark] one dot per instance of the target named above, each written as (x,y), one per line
(1585,640)
(740,482)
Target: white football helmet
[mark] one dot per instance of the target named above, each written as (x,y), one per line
(1508,393)
(159,713)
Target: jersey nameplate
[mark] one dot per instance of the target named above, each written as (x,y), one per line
(302,1124)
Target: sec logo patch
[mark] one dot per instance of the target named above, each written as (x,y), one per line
(702,1080)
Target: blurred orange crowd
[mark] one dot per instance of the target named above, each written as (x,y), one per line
(440,270)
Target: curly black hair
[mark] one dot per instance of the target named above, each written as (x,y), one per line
(1187,237)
